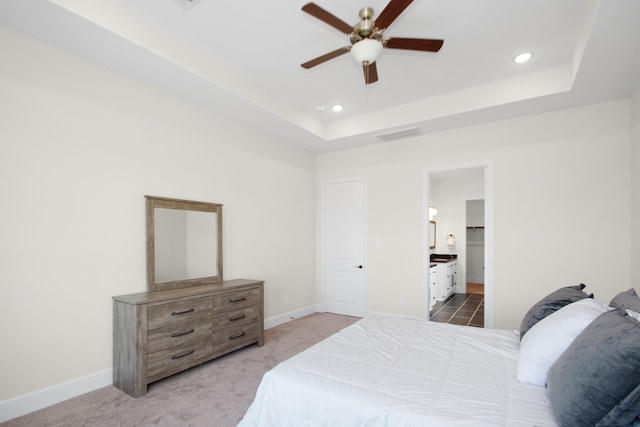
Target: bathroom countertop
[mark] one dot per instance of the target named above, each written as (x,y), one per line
(440,258)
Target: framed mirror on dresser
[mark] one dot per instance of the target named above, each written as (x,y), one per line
(189,314)
(184,243)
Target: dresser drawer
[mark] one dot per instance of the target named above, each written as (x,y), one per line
(199,329)
(178,311)
(237,299)
(165,360)
(235,318)
(235,335)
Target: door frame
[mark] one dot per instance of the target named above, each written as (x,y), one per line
(489,248)
(365,286)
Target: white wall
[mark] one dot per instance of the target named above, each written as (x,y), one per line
(79,149)
(475,213)
(561,204)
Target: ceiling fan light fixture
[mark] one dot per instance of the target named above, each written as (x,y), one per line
(366,51)
(367,38)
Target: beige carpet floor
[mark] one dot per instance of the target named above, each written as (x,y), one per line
(215,394)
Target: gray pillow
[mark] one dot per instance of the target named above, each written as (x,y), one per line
(596,381)
(551,303)
(627,299)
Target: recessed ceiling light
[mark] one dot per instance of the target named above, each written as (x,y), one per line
(337,108)
(523,57)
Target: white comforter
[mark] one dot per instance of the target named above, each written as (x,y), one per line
(387,371)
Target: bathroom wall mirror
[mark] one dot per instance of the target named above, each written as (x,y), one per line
(184,243)
(432,234)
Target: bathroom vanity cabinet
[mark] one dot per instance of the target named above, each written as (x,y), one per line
(445,276)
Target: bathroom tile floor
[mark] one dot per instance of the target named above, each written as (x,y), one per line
(460,309)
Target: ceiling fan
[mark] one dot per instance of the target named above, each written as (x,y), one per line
(366,36)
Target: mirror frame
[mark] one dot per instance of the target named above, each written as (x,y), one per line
(153,202)
(432,234)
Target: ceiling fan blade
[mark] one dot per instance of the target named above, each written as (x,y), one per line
(427,45)
(391,12)
(324,58)
(315,10)
(370,73)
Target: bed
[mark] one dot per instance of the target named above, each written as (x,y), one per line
(387,371)
(391,371)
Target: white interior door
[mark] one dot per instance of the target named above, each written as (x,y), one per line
(343,247)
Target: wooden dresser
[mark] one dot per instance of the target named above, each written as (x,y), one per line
(160,333)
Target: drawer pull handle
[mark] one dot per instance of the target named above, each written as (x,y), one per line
(233,319)
(236,336)
(179,334)
(182,355)
(178,313)
(232,300)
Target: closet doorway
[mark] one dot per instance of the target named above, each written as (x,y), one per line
(445,186)
(475,246)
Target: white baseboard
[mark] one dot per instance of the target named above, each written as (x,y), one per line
(39,399)
(479,280)
(287,317)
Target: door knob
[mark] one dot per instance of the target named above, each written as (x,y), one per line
(359,266)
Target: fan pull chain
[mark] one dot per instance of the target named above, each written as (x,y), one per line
(366,89)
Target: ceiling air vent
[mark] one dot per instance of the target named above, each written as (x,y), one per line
(398,134)
(187,4)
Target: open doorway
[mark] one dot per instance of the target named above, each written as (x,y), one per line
(475,246)
(447,189)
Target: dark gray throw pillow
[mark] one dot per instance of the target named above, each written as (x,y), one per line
(596,381)
(627,299)
(551,303)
